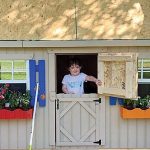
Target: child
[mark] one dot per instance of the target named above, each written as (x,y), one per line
(73,82)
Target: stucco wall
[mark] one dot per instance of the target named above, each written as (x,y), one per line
(74,19)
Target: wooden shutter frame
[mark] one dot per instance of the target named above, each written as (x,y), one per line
(42,83)
(131,76)
(32,75)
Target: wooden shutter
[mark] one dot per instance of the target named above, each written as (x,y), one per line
(41,68)
(32,70)
(118,72)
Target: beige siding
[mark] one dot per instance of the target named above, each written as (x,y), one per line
(15,134)
(119,133)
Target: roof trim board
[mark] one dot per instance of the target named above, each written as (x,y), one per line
(73,43)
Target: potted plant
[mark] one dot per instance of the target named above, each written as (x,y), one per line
(129,104)
(143,103)
(13,101)
(25,100)
(14,104)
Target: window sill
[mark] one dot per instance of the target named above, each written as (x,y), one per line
(16,114)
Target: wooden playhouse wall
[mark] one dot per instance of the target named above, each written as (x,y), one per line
(74,19)
(71,20)
(14,134)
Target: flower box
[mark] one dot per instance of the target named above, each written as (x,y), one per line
(16,114)
(134,113)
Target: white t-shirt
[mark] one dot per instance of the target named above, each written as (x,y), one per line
(74,83)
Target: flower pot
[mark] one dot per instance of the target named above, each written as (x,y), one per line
(7,105)
(16,114)
(134,113)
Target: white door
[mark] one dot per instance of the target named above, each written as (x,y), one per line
(80,120)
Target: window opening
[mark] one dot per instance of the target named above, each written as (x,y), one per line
(89,67)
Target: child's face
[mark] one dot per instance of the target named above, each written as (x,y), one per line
(74,70)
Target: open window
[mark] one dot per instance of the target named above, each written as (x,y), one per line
(118,71)
(89,67)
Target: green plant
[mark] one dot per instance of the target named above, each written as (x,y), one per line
(2,102)
(142,103)
(130,104)
(14,99)
(25,100)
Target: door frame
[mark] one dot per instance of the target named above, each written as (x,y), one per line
(52,91)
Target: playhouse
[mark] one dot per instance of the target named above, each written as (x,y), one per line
(36,41)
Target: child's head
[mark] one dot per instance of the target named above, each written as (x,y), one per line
(74,66)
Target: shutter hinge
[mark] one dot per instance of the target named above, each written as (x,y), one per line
(98,142)
(97,100)
(57,104)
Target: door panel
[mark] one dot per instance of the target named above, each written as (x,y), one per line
(78,120)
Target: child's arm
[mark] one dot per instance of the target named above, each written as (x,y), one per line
(93,79)
(64,89)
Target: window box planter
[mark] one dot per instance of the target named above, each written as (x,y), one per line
(16,114)
(134,113)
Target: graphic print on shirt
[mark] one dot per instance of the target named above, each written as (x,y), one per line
(76,84)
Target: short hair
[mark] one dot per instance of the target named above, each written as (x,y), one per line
(73,61)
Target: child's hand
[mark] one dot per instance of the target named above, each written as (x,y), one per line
(98,82)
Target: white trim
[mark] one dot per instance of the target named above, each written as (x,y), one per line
(12,68)
(146,69)
(16,56)
(13,81)
(144,81)
(144,55)
(86,43)
(10,43)
(142,70)
(75,43)
(27,75)
(12,72)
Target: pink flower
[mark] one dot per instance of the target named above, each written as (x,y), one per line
(7,85)
(1,97)
(3,91)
